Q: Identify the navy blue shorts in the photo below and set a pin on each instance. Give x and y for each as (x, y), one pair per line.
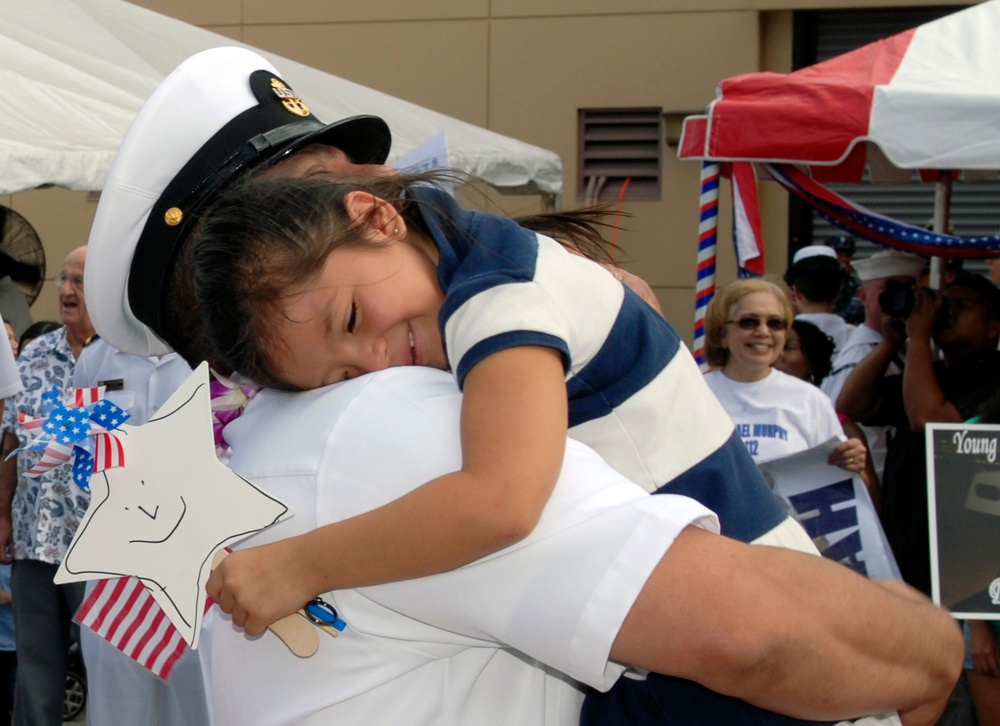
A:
(668, 701)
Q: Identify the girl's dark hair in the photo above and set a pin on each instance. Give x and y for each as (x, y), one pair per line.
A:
(817, 347)
(578, 229)
(264, 238)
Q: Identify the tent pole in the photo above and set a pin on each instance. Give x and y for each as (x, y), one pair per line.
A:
(708, 237)
(942, 207)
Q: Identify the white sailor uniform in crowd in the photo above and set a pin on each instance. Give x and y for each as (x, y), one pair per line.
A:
(834, 326)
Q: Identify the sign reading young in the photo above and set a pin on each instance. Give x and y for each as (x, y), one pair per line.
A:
(964, 505)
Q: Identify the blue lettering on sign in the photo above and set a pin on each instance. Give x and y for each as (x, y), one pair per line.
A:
(770, 431)
(831, 509)
(846, 552)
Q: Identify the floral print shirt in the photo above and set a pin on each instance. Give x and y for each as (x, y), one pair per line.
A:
(46, 510)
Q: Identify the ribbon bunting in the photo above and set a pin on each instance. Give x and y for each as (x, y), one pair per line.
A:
(83, 431)
(863, 222)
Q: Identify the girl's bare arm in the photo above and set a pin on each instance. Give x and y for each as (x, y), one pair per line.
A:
(514, 420)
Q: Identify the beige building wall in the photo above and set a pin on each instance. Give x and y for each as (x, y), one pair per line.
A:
(62, 219)
(522, 68)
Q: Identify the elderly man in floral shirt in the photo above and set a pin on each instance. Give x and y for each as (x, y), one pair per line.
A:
(39, 515)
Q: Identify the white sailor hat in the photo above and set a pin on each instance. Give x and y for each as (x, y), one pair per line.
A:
(220, 113)
(814, 251)
(889, 263)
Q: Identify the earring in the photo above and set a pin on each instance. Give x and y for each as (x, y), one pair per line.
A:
(395, 230)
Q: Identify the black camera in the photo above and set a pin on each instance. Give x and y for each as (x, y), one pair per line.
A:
(898, 297)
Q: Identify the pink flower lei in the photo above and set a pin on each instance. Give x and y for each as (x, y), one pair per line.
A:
(229, 398)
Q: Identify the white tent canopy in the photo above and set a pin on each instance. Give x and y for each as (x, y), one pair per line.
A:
(73, 74)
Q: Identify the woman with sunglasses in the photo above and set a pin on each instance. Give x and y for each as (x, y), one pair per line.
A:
(775, 414)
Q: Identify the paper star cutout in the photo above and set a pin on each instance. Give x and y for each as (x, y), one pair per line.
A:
(165, 513)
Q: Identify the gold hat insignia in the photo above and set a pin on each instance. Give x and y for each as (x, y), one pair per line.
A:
(173, 217)
(289, 100)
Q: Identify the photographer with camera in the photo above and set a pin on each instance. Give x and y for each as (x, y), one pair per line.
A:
(888, 272)
(963, 322)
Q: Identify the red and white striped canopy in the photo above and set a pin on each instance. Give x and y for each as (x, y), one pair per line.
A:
(928, 98)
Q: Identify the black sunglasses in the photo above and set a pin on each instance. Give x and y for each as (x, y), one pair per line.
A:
(752, 322)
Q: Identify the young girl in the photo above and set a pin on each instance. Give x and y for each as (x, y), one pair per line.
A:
(303, 283)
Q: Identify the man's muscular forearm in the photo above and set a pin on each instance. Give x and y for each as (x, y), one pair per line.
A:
(790, 632)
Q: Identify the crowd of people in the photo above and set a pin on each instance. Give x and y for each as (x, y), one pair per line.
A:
(919, 356)
(511, 491)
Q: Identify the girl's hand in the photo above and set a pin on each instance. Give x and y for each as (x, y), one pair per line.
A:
(261, 585)
(850, 455)
(983, 648)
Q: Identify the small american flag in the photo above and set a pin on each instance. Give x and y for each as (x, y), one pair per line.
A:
(123, 612)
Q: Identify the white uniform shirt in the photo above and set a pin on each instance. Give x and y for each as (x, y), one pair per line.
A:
(441, 649)
(831, 324)
(861, 342)
(778, 415)
(143, 384)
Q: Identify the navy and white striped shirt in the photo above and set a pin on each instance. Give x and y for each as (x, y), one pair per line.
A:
(635, 393)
